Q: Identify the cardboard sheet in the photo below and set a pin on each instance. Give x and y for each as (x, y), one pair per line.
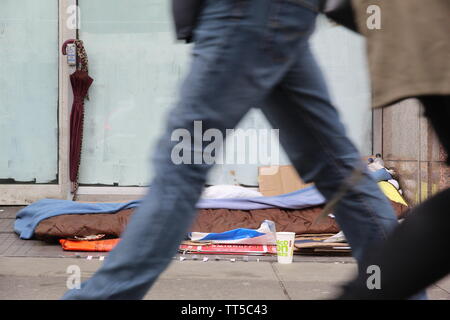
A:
(276, 180)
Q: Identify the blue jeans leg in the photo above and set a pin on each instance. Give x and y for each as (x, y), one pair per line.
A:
(315, 140)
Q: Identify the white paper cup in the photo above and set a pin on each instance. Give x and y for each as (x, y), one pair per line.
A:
(285, 247)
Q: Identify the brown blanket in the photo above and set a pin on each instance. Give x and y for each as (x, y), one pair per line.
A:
(208, 220)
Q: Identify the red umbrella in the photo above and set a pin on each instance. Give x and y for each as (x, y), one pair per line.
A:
(81, 81)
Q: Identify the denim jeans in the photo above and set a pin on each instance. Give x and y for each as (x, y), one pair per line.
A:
(246, 54)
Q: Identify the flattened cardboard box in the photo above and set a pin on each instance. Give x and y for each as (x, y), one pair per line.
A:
(276, 180)
(234, 249)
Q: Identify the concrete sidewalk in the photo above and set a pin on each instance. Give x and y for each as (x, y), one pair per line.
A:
(29, 278)
(32, 269)
(45, 278)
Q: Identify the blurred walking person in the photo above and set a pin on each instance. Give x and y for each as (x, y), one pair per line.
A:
(410, 57)
(247, 53)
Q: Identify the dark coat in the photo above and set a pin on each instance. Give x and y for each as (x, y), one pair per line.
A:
(185, 15)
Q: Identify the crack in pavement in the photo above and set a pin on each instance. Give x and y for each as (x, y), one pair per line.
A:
(280, 282)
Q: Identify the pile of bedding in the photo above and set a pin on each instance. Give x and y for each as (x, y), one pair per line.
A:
(51, 219)
(380, 172)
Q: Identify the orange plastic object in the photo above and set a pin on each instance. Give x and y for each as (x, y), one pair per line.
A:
(97, 245)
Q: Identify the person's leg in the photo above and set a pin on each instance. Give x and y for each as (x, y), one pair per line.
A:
(231, 72)
(415, 256)
(437, 110)
(316, 142)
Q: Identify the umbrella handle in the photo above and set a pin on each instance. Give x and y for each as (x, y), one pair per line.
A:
(64, 46)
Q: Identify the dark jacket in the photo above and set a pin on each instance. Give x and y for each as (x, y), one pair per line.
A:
(185, 15)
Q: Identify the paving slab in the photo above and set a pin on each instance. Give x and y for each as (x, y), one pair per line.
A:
(45, 278)
(437, 293)
(9, 212)
(444, 284)
(314, 281)
(214, 289)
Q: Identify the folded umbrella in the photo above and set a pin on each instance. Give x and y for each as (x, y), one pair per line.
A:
(81, 82)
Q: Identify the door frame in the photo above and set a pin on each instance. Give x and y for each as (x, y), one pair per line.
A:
(23, 194)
